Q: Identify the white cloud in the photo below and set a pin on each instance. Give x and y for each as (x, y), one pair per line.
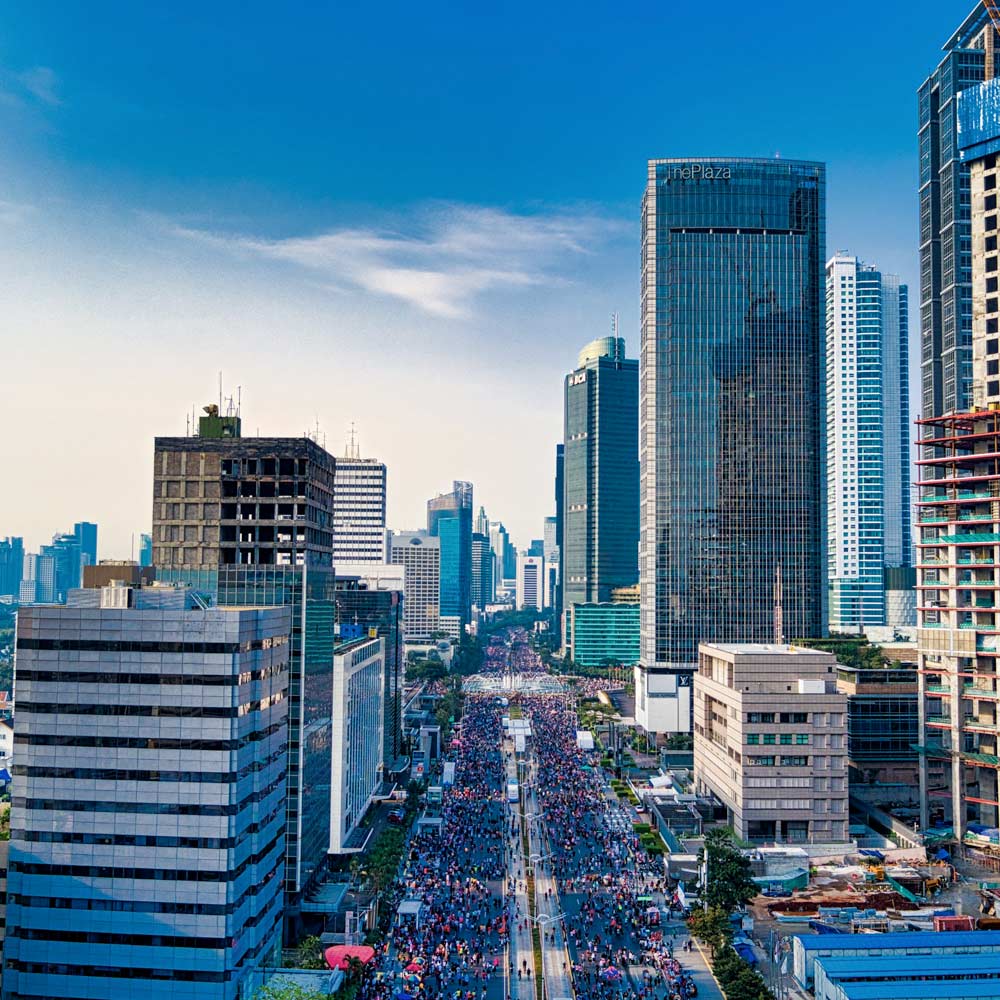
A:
(450, 255)
(42, 83)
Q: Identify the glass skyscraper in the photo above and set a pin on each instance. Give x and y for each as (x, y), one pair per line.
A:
(731, 415)
(945, 234)
(456, 549)
(600, 530)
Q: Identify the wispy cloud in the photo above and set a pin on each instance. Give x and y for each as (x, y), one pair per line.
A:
(443, 259)
(42, 83)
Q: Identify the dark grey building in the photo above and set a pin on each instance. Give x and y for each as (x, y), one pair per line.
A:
(482, 570)
(248, 521)
(731, 414)
(945, 227)
(371, 597)
(11, 566)
(600, 507)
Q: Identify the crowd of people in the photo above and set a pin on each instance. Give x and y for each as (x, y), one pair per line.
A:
(456, 946)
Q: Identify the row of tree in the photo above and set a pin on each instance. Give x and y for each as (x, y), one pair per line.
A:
(729, 886)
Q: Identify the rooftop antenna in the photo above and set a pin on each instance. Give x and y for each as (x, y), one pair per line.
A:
(220, 391)
(239, 399)
(352, 444)
(614, 324)
(779, 624)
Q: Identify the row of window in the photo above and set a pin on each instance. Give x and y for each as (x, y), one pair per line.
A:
(793, 761)
(782, 739)
(151, 711)
(150, 677)
(141, 743)
(156, 874)
(783, 717)
(128, 646)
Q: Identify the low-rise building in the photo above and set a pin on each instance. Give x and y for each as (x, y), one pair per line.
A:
(770, 741)
(598, 633)
(938, 965)
(882, 725)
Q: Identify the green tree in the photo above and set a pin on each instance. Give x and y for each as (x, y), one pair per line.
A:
(712, 927)
(308, 954)
(729, 880)
(739, 980)
(279, 990)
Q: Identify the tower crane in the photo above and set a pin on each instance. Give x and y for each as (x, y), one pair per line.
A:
(993, 9)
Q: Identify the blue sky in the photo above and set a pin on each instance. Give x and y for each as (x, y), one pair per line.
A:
(409, 216)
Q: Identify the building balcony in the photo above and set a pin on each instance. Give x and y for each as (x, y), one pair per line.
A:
(938, 689)
(937, 720)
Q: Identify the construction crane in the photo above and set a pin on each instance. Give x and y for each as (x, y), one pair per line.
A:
(993, 9)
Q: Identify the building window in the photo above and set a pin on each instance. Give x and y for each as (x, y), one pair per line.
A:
(769, 739)
(802, 739)
(753, 739)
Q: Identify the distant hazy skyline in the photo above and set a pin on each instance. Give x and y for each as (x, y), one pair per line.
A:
(404, 218)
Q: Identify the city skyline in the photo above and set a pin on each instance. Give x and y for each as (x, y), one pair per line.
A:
(146, 252)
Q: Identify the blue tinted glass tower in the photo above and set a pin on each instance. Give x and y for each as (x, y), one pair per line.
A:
(731, 414)
(456, 549)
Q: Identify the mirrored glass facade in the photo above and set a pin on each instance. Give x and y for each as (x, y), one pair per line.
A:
(731, 408)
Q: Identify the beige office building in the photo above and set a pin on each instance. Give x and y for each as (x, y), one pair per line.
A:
(770, 741)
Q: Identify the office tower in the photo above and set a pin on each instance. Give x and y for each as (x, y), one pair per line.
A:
(482, 570)
(600, 473)
(420, 556)
(67, 565)
(248, 521)
(530, 588)
(38, 581)
(959, 526)
(371, 597)
(731, 415)
(604, 633)
(11, 566)
(550, 550)
(560, 523)
(868, 442)
(145, 550)
(86, 537)
(482, 525)
(356, 775)
(147, 832)
(763, 710)
(449, 517)
(945, 265)
(359, 509)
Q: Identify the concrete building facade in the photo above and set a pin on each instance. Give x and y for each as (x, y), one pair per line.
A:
(420, 556)
(148, 824)
(359, 494)
(770, 741)
(868, 443)
(530, 581)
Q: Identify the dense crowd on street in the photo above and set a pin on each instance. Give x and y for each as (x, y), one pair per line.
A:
(457, 948)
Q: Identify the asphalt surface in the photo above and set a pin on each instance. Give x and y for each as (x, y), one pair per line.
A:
(562, 861)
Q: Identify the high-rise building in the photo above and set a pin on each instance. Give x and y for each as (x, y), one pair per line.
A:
(482, 570)
(449, 517)
(560, 527)
(11, 566)
(482, 525)
(359, 509)
(147, 833)
(604, 633)
(249, 522)
(530, 589)
(600, 546)
(67, 565)
(868, 441)
(958, 521)
(420, 556)
(86, 537)
(358, 679)
(550, 550)
(145, 550)
(731, 415)
(370, 597)
(945, 251)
